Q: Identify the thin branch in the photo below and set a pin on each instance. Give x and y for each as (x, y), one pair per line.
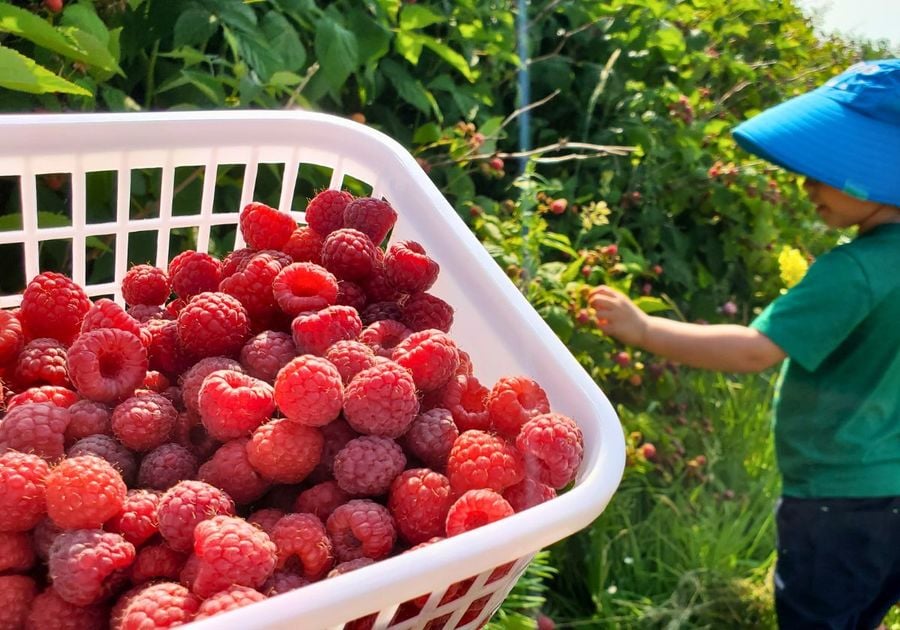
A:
(540, 16)
(597, 150)
(563, 40)
(306, 78)
(526, 108)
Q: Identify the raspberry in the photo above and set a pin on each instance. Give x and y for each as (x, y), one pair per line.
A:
(284, 451)
(367, 465)
(53, 306)
(84, 492)
(252, 286)
(408, 268)
(136, 520)
(304, 245)
(143, 313)
(165, 466)
(350, 565)
(157, 561)
(266, 353)
(88, 565)
(37, 428)
(192, 380)
(42, 362)
(377, 311)
(314, 332)
(105, 313)
(282, 582)
(513, 401)
(384, 335)
(145, 285)
(361, 528)
(431, 357)
(381, 400)
(349, 254)
(373, 217)
(419, 501)
(321, 499)
(430, 437)
(466, 398)
(231, 552)
(16, 595)
(144, 422)
(350, 358)
(264, 227)
(379, 289)
(337, 434)
(164, 351)
(308, 390)
(230, 469)
(162, 605)
(351, 294)
(49, 611)
(87, 417)
(158, 383)
(22, 502)
(303, 287)
(233, 404)
(192, 273)
(423, 310)
(325, 211)
(302, 537)
(474, 509)
(12, 337)
(236, 260)
(481, 460)
(44, 534)
(16, 552)
(528, 493)
(265, 519)
(107, 364)
(107, 448)
(213, 324)
(184, 505)
(553, 447)
(52, 394)
(231, 598)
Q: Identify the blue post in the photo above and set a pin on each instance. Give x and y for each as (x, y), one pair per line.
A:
(524, 83)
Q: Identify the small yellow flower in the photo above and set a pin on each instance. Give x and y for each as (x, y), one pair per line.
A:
(792, 265)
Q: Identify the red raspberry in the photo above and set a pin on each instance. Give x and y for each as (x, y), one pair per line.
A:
(384, 335)
(184, 505)
(315, 331)
(308, 390)
(192, 273)
(466, 398)
(528, 493)
(349, 254)
(164, 351)
(474, 509)
(513, 401)
(16, 552)
(157, 561)
(144, 312)
(361, 528)
(105, 313)
(165, 466)
(37, 428)
(423, 310)
(87, 565)
(351, 294)
(304, 245)
(252, 286)
(236, 260)
(381, 400)
(173, 307)
(12, 337)
(51, 394)
(49, 611)
(367, 465)
(481, 460)
(337, 434)
(303, 287)
(350, 358)
(321, 499)
(265, 519)
(233, 404)
(162, 605)
(231, 598)
(408, 268)
(192, 380)
(264, 227)
(145, 285)
(284, 451)
(266, 353)
(136, 520)
(107, 364)
(44, 534)
(373, 217)
(419, 501)
(302, 538)
(110, 449)
(553, 447)
(22, 502)
(87, 417)
(84, 492)
(231, 552)
(17, 592)
(282, 582)
(213, 324)
(430, 437)
(144, 422)
(379, 289)
(53, 306)
(431, 357)
(377, 311)
(325, 211)
(157, 382)
(350, 565)
(230, 469)
(42, 362)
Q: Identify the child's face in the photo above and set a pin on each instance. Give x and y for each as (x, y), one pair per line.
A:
(840, 210)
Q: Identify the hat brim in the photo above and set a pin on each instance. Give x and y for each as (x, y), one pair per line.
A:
(816, 136)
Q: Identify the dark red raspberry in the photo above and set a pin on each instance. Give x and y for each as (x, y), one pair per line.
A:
(304, 245)
(474, 509)
(110, 449)
(325, 211)
(465, 363)
(231, 598)
(87, 417)
(236, 260)
(264, 227)
(136, 520)
(184, 505)
(162, 605)
(481, 460)
(145, 285)
(213, 324)
(37, 428)
(105, 313)
(431, 357)
(408, 268)
(373, 217)
(367, 465)
(419, 501)
(144, 312)
(22, 502)
(88, 565)
(361, 528)
(350, 565)
(378, 288)
(233, 404)
(173, 307)
(321, 499)
(192, 273)
(315, 331)
(303, 287)
(337, 434)
(44, 534)
(466, 398)
(231, 552)
(53, 306)
(302, 537)
(12, 337)
(350, 358)
(265, 519)
(144, 422)
(351, 294)
(252, 286)
(384, 335)
(16, 552)
(107, 365)
(84, 492)
(230, 469)
(513, 401)
(381, 400)
(192, 380)
(378, 311)
(156, 382)
(553, 447)
(309, 390)
(165, 466)
(17, 592)
(157, 561)
(266, 353)
(284, 451)
(423, 310)
(51, 394)
(528, 493)
(164, 352)
(282, 582)
(49, 611)
(42, 362)
(431, 436)
(350, 255)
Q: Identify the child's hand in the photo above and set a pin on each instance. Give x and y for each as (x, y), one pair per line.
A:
(618, 316)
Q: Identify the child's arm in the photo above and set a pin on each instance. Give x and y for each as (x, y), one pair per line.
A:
(721, 347)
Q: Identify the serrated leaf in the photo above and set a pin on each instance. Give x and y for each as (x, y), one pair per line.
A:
(84, 18)
(670, 43)
(336, 51)
(409, 46)
(234, 13)
(373, 38)
(427, 133)
(651, 304)
(194, 26)
(457, 61)
(258, 54)
(283, 38)
(559, 321)
(94, 49)
(414, 16)
(409, 88)
(18, 72)
(283, 78)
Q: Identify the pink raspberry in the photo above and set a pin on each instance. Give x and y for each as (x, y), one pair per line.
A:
(88, 565)
(466, 399)
(513, 401)
(373, 217)
(53, 306)
(337, 434)
(252, 286)
(528, 493)
(381, 400)
(87, 417)
(84, 492)
(266, 353)
(233, 404)
(165, 466)
(184, 505)
(105, 313)
(284, 451)
(22, 502)
(481, 460)
(52, 394)
(12, 337)
(144, 422)
(192, 380)
(161, 605)
(321, 499)
(325, 211)
(229, 469)
(16, 552)
(308, 390)
(145, 285)
(351, 294)
(423, 310)
(553, 447)
(136, 520)
(17, 592)
(384, 335)
(231, 598)
(192, 273)
(315, 331)
(367, 465)
(42, 362)
(302, 538)
(264, 227)
(37, 428)
(107, 365)
(282, 582)
(408, 268)
(474, 509)
(349, 254)
(49, 611)
(361, 528)
(304, 245)
(157, 561)
(110, 449)
(303, 287)
(431, 357)
(213, 324)
(164, 351)
(231, 552)
(265, 519)
(431, 436)
(419, 501)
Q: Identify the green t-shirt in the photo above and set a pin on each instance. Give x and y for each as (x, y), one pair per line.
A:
(837, 404)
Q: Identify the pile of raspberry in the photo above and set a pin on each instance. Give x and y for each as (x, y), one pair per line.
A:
(248, 426)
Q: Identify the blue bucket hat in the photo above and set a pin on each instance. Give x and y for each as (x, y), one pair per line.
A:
(845, 133)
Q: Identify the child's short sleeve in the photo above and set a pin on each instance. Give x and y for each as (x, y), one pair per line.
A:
(815, 316)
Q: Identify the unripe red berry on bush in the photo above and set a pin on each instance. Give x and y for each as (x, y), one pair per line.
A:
(558, 206)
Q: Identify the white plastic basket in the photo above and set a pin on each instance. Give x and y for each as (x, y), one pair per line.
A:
(493, 322)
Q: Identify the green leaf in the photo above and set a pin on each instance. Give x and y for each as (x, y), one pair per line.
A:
(45, 220)
(374, 38)
(283, 78)
(283, 38)
(450, 56)
(413, 16)
(670, 43)
(651, 304)
(409, 45)
(559, 321)
(18, 72)
(95, 50)
(194, 26)
(337, 52)
(234, 13)
(258, 54)
(427, 133)
(408, 87)
(83, 17)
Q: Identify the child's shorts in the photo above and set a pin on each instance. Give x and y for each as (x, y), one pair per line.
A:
(838, 562)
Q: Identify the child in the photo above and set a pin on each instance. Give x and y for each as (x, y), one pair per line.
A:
(837, 406)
